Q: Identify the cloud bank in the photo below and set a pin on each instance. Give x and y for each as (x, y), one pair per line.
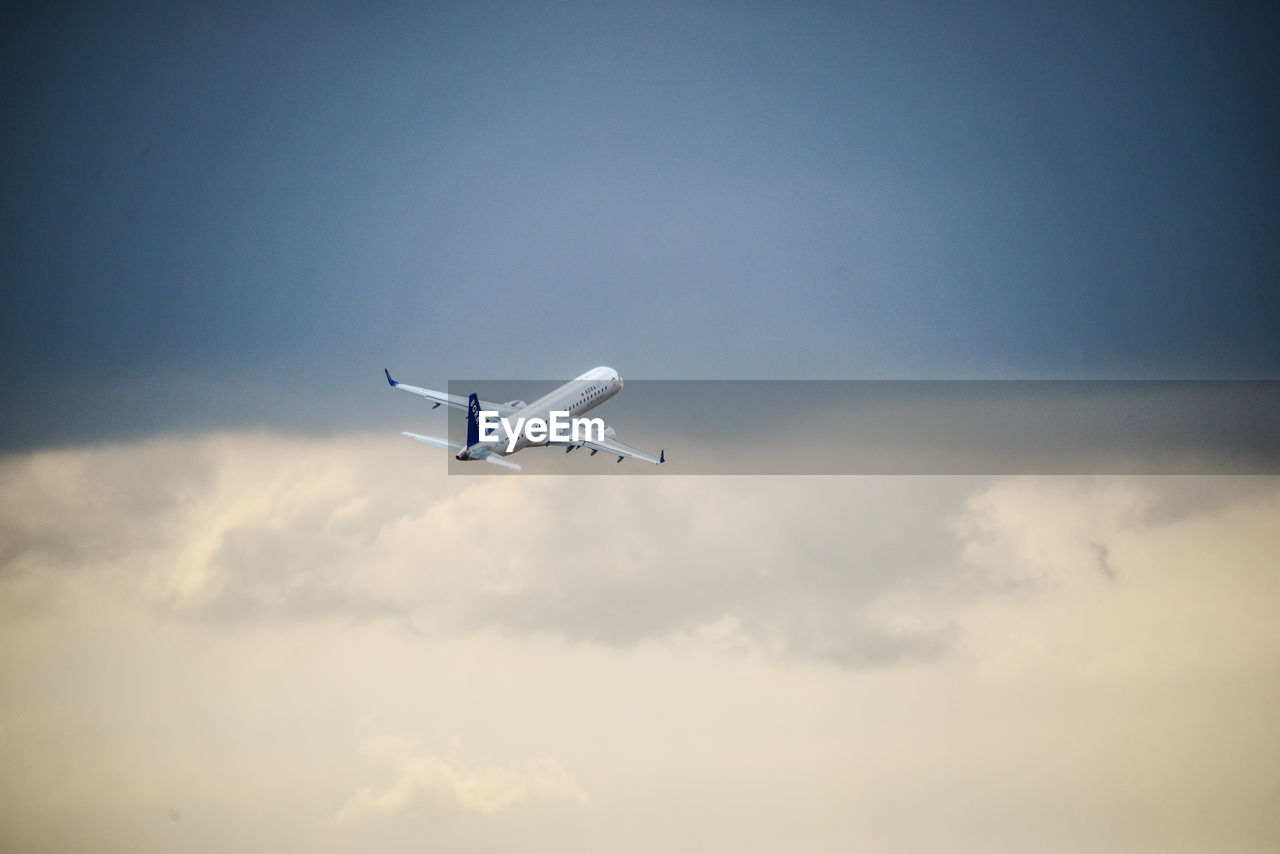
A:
(335, 634)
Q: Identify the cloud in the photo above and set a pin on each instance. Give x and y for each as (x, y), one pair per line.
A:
(425, 784)
(214, 625)
(1098, 580)
(243, 527)
(853, 571)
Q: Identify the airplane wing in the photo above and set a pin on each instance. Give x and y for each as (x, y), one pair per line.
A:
(496, 459)
(613, 446)
(454, 400)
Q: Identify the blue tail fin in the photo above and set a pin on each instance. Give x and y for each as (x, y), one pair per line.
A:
(473, 421)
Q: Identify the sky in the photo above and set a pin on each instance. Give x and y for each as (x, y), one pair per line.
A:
(239, 611)
(238, 213)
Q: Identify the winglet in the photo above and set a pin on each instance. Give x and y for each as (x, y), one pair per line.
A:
(662, 456)
(388, 373)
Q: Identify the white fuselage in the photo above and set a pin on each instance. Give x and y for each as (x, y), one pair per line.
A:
(576, 397)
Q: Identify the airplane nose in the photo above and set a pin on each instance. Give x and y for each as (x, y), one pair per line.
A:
(618, 380)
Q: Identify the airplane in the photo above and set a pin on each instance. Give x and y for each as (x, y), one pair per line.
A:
(575, 397)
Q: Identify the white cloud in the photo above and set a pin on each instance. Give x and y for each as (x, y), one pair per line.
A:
(243, 527)
(426, 784)
(1097, 581)
(213, 626)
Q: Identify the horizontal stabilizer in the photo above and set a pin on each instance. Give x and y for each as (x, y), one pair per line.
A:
(488, 457)
(499, 460)
(432, 440)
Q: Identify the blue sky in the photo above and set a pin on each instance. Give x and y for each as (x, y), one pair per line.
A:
(228, 215)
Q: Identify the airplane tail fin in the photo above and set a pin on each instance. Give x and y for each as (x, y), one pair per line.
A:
(473, 421)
